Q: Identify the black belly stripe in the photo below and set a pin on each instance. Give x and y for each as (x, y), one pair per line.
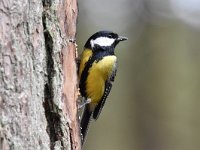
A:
(84, 75)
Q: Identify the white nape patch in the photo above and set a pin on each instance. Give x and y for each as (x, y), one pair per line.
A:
(102, 41)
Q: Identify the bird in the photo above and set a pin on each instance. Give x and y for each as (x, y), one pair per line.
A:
(96, 72)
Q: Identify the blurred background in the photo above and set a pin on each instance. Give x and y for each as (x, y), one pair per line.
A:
(155, 101)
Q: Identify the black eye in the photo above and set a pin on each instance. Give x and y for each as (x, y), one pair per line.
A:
(110, 36)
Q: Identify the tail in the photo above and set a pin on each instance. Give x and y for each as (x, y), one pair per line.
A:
(85, 120)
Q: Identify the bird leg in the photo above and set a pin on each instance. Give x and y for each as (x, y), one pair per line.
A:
(85, 102)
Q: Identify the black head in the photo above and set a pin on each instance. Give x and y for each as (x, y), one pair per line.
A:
(104, 39)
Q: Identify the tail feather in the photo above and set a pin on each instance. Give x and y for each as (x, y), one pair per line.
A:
(85, 121)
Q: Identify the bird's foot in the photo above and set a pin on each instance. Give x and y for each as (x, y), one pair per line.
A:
(81, 105)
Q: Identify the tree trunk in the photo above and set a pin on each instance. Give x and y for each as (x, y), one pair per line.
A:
(38, 75)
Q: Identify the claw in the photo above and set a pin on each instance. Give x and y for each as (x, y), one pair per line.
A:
(84, 103)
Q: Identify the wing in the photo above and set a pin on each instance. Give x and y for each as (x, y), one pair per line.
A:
(108, 86)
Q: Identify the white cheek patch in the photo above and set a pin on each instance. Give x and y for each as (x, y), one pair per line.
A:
(102, 41)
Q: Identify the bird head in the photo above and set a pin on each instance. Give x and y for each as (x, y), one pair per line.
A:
(104, 39)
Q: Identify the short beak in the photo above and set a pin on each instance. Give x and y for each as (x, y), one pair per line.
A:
(122, 38)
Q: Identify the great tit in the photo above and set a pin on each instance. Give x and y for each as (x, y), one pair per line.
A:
(97, 70)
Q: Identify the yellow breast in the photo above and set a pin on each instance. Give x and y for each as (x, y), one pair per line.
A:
(98, 74)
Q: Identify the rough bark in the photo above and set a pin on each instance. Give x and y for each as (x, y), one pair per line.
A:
(38, 75)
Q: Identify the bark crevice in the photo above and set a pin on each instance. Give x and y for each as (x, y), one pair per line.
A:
(51, 111)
